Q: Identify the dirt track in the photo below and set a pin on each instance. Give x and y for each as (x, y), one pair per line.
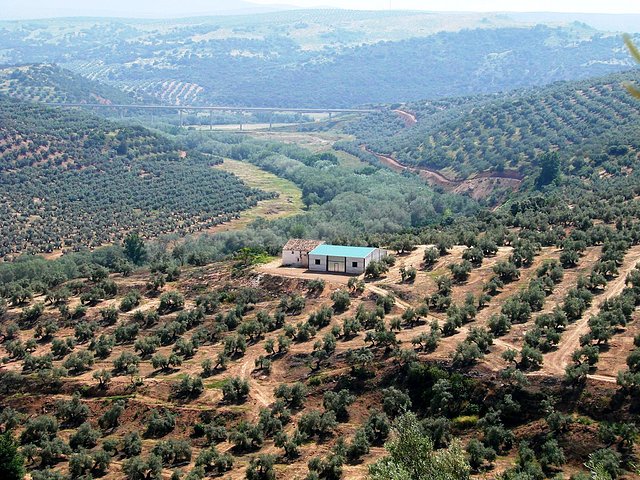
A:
(409, 118)
(556, 361)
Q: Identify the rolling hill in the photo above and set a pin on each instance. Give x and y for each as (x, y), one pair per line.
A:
(71, 180)
(466, 136)
(324, 58)
(45, 83)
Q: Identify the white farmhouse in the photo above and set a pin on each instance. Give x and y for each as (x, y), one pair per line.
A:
(296, 252)
(341, 259)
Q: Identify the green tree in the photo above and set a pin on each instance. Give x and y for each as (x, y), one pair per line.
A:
(11, 461)
(636, 55)
(134, 248)
(412, 456)
(549, 168)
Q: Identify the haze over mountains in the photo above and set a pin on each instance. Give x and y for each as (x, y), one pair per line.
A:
(138, 9)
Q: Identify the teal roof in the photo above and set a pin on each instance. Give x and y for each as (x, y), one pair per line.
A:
(341, 251)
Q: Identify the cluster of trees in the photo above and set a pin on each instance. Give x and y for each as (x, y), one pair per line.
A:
(476, 134)
(48, 83)
(87, 187)
(278, 70)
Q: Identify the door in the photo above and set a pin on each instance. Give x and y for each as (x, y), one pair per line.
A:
(336, 265)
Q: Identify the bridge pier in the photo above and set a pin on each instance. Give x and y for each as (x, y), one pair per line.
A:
(210, 120)
(181, 119)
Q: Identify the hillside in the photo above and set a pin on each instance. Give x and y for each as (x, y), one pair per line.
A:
(464, 137)
(504, 338)
(324, 58)
(229, 368)
(90, 181)
(52, 84)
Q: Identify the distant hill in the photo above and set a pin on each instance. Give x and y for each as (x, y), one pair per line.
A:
(602, 21)
(316, 58)
(51, 84)
(476, 134)
(71, 180)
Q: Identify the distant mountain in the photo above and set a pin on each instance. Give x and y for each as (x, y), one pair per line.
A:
(32, 9)
(601, 21)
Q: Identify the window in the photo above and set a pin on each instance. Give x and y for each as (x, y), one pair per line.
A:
(354, 264)
(317, 261)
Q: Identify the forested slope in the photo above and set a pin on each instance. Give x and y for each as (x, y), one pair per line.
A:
(470, 135)
(52, 84)
(70, 180)
(306, 62)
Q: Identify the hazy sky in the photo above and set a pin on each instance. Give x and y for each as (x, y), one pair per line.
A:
(582, 6)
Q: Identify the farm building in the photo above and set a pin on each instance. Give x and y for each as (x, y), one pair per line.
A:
(341, 259)
(296, 252)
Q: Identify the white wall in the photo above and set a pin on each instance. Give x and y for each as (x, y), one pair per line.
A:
(356, 270)
(317, 268)
(294, 258)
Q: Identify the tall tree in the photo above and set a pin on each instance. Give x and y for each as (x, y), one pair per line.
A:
(550, 168)
(135, 249)
(11, 461)
(412, 456)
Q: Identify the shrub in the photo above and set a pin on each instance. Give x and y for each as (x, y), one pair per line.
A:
(235, 390)
(376, 269)
(214, 462)
(159, 423)
(341, 300)
(316, 286)
(170, 302)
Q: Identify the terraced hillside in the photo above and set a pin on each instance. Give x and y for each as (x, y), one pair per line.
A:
(462, 137)
(178, 369)
(46, 83)
(70, 180)
(503, 338)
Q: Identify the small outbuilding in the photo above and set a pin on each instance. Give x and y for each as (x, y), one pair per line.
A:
(342, 259)
(296, 252)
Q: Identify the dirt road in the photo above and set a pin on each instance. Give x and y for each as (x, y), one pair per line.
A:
(409, 118)
(556, 362)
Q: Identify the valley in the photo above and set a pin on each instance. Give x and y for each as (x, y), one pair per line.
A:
(153, 328)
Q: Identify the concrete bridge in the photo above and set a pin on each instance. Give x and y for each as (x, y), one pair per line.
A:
(213, 108)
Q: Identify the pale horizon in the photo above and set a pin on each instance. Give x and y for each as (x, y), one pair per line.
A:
(525, 6)
(34, 9)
